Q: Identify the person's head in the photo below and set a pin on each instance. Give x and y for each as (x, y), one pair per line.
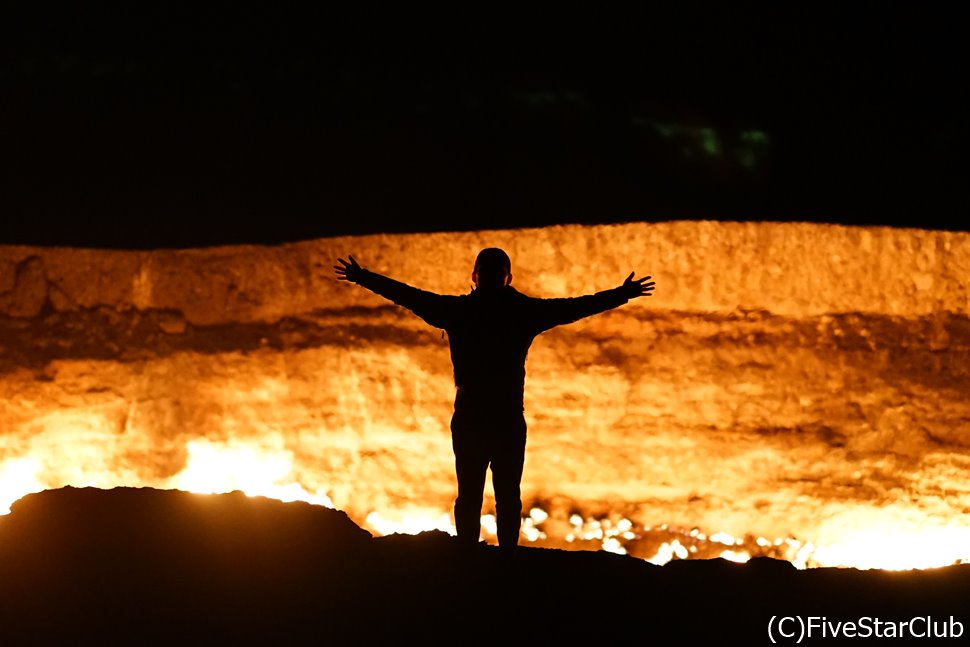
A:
(493, 269)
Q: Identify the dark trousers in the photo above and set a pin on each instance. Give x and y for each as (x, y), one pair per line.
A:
(482, 438)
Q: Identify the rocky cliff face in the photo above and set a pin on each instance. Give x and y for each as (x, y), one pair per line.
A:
(786, 380)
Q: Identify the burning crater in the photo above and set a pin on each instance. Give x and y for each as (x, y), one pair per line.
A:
(792, 390)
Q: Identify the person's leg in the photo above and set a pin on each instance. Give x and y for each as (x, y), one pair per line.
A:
(471, 464)
(508, 461)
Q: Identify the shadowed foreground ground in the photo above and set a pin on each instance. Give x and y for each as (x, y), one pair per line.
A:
(130, 566)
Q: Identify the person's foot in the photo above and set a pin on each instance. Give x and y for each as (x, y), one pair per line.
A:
(470, 550)
(465, 546)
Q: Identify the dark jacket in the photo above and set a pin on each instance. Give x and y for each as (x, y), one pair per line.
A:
(490, 331)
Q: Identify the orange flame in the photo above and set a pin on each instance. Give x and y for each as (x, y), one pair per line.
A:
(267, 470)
(816, 417)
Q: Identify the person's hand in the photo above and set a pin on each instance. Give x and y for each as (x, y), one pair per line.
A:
(348, 271)
(633, 288)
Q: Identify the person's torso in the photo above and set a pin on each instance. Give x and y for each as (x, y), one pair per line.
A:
(490, 336)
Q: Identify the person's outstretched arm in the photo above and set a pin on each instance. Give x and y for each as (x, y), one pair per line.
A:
(429, 306)
(555, 312)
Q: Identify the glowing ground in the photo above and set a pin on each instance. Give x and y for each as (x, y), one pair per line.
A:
(792, 390)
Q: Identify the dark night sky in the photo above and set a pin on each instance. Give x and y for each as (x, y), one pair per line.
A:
(158, 125)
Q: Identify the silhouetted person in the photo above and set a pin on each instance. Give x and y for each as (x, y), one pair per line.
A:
(490, 331)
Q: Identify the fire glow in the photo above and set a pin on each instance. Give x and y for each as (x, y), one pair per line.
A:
(218, 468)
(754, 410)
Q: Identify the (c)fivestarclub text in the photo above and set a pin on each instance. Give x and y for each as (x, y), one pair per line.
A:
(795, 629)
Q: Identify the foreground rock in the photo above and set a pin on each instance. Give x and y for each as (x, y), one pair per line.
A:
(136, 566)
